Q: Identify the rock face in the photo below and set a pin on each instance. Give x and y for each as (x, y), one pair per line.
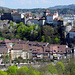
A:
(66, 29)
(5, 24)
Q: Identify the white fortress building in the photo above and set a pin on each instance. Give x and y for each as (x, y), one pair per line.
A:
(46, 19)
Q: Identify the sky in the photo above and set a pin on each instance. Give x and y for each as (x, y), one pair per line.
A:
(29, 4)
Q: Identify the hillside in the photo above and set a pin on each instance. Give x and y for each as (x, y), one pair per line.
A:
(72, 6)
(62, 9)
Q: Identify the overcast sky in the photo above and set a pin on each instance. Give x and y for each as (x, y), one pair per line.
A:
(29, 4)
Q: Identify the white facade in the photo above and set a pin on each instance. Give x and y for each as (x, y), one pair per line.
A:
(22, 15)
(71, 34)
(55, 15)
(16, 54)
(25, 55)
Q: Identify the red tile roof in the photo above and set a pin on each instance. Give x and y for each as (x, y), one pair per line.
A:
(7, 41)
(58, 19)
(47, 11)
(50, 15)
(9, 47)
(60, 49)
(21, 47)
(28, 15)
(36, 49)
(16, 13)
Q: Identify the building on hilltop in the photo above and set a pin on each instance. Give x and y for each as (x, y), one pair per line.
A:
(6, 16)
(46, 19)
(17, 17)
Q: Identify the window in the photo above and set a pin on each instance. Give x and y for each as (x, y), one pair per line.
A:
(58, 47)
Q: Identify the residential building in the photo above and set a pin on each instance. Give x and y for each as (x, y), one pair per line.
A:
(20, 50)
(37, 52)
(58, 51)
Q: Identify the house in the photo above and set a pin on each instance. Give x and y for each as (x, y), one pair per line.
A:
(7, 42)
(50, 17)
(20, 50)
(46, 53)
(72, 33)
(57, 22)
(37, 52)
(47, 18)
(27, 17)
(6, 16)
(17, 17)
(58, 51)
(46, 12)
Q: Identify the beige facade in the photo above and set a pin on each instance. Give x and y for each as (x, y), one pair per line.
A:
(20, 53)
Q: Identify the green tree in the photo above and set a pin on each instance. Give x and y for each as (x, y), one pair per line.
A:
(43, 39)
(70, 67)
(12, 70)
(60, 68)
(49, 40)
(3, 73)
(52, 69)
(22, 71)
(31, 71)
(57, 40)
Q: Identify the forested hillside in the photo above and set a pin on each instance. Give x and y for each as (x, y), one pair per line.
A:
(62, 9)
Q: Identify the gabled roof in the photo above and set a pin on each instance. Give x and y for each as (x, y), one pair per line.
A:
(21, 47)
(37, 43)
(16, 13)
(28, 15)
(36, 49)
(60, 49)
(7, 41)
(58, 19)
(50, 15)
(47, 11)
